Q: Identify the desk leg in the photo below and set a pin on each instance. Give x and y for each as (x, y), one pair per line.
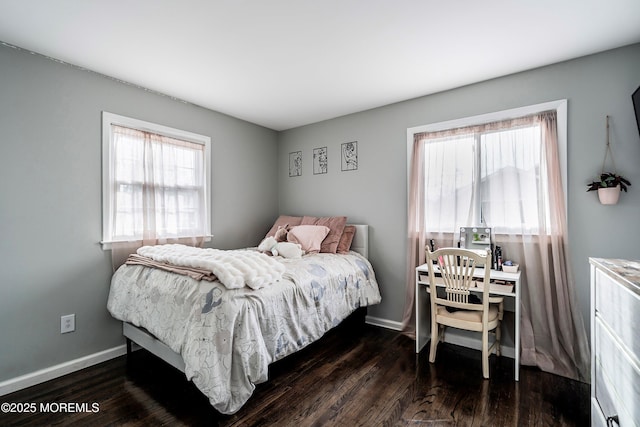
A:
(416, 300)
(418, 315)
(517, 328)
(422, 315)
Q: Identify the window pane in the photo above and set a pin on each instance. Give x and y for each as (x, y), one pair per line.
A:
(510, 180)
(158, 186)
(449, 165)
(509, 189)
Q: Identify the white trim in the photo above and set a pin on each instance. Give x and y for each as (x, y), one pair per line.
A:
(490, 117)
(110, 118)
(561, 109)
(56, 371)
(108, 245)
(43, 375)
(384, 323)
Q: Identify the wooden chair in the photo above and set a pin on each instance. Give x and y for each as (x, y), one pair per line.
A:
(456, 268)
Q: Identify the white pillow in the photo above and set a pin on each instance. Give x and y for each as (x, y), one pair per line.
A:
(310, 237)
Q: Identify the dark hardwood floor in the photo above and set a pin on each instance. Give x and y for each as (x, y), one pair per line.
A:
(356, 375)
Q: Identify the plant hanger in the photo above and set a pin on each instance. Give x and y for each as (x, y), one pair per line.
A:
(608, 180)
(608, 152)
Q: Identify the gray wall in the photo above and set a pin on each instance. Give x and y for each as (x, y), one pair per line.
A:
(376, 193)
(50, 201)
(50, 184)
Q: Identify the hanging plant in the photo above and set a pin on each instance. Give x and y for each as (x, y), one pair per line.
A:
(610, 184)
(609, 180)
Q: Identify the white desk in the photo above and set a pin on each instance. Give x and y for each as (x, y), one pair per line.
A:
(423, 319)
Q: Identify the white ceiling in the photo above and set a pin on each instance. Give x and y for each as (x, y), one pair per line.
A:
(287, 63)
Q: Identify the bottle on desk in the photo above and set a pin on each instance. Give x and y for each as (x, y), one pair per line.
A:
(498, 258)
(432, 244)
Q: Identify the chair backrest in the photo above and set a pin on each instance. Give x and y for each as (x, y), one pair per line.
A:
(456, 268)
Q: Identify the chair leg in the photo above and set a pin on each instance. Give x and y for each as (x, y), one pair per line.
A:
(485, 353)
(499, 327)
(435, 336)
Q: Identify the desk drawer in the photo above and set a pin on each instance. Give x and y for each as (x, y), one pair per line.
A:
(619, 308)
(617, 379)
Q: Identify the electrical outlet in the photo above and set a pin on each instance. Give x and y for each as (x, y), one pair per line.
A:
(67, 323)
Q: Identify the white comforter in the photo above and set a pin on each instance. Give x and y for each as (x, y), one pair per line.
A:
(228, 337)
(234, 269)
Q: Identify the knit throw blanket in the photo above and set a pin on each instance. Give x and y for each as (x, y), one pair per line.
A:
(234, 268)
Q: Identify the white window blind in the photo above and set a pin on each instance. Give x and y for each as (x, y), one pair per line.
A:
(155, 182)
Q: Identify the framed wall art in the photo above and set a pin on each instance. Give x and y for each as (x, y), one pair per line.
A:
(349, 154)
(320, 160)
(295, 163)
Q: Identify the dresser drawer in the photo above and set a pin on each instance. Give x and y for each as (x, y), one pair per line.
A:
(617, 378)
(619, 308)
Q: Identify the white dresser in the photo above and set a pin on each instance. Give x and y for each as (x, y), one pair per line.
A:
(615, 342)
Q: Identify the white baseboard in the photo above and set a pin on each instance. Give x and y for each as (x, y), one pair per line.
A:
(384, 323)
(43, 375)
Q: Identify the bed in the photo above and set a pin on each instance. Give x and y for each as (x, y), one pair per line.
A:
(224, 339)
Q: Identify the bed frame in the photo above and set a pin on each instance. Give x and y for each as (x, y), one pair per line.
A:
(144, 339)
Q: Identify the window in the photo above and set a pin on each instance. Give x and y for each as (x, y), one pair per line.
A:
(488, 170)
(508, 168)
(155, 181)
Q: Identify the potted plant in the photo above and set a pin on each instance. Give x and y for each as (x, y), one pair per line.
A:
(609, 186)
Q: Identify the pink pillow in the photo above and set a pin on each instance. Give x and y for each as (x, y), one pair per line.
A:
(283, 221)
(346, 239)
(336, 227)
(310, 237)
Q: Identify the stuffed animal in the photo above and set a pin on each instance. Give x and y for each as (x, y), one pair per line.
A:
(281, 234)
(267, 244)
(283, 249)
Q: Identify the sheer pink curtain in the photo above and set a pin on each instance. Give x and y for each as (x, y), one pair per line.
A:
(552, 328)
(532, 233)
(450, 166)
(416, 235)
(157, 185)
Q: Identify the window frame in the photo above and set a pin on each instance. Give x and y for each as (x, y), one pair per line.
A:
(560, 106)
(109, 119)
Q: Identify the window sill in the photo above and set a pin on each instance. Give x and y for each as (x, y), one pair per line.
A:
(107, 245)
